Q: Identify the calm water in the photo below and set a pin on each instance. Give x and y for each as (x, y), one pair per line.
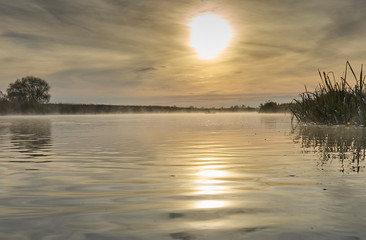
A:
(180, 176)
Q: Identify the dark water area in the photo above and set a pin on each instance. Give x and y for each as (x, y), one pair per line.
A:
(180, 176)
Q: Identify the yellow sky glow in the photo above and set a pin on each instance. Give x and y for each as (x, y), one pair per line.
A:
(210, 35)
(183, 53)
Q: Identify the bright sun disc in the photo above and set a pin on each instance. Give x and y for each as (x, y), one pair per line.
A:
(210, 35)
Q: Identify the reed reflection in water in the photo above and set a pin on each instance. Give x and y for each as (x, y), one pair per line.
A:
(171, 176)
(344, 145)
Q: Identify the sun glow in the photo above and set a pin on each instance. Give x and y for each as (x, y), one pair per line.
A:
(210, 35)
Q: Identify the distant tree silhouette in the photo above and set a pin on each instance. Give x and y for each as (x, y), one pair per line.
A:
(272, 107)
(3, 97)
(29, 89)
(269, 106)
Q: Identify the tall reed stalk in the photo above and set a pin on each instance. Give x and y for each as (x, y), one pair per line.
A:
(333, 102)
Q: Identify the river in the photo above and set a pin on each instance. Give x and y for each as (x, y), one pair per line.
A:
(180, 176)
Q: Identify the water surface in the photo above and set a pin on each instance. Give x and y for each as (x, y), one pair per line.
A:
(180, 176)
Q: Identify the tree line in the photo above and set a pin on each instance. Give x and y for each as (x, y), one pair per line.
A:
(30, 95)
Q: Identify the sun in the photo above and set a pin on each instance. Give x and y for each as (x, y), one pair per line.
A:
(210, 35)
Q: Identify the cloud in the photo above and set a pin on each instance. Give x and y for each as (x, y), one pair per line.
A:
(146, 69)
(115, 49)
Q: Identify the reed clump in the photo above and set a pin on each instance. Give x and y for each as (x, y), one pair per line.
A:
(334, 102)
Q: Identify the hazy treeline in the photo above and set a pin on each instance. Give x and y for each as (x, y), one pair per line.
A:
(7, 107)
(30, 95)
(273, 107)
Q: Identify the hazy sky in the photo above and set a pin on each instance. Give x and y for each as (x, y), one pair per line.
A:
(137, 51)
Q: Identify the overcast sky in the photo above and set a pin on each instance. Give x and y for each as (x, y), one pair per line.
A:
(137, 51)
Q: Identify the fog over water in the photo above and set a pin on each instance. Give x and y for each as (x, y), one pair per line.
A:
(180, 176)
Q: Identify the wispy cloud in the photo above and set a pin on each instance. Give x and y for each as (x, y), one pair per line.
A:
(114, 50)
(146, 69)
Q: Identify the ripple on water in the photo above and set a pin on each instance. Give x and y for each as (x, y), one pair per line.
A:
(179, 176)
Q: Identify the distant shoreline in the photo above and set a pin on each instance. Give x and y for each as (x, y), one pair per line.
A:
(33, 108)
(62, 108)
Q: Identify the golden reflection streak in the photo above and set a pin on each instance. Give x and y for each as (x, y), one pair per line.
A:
(212, 173)
(211, 189)
(211, 166)
(210, 204)
(209, 184)
(209, 181)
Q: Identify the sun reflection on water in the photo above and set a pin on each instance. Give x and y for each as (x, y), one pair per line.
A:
(211, 189)
(209, 181)
(210, 204)
(210, 184)
(212, 173)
